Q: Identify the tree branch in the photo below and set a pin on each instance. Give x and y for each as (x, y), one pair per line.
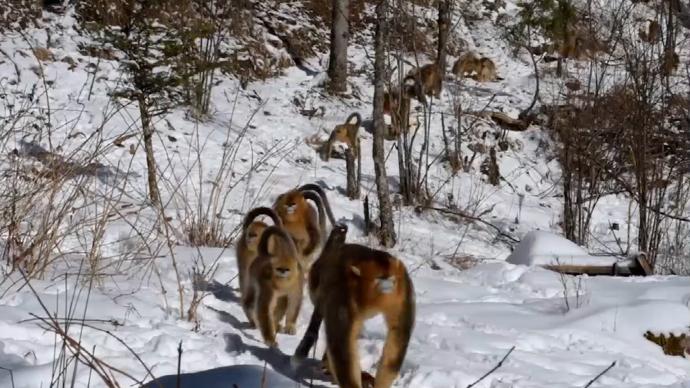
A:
(600, 374)
(472, 218)
(500, 363)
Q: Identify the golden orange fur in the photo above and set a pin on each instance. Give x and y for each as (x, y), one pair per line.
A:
(306, 227)
(397, 106)
(275, 286)
(345, 133)
(651, 33)
(428, 81)
(669, 62)
(247, 245)
(349, 284)
(471, 65)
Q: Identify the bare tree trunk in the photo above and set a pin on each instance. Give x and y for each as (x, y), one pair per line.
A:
(682, 11)
(444, 7)
(359, 167)
(352, 176)
(337, 66)
(405, 165)
(387, 232)
(154, 194)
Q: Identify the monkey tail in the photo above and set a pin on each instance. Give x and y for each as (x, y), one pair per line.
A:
(281, 234)
(309, 339)
(335, 241)
(324, 199)
(259, 211)
(314, 196)
(356, 116)
(336, 238)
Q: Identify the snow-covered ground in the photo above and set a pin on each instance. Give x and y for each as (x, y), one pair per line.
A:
(467, 320)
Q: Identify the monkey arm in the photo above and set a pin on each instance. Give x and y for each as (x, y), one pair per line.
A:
(264, 317)
(279, 310)
(248, 305)
(242, 267)
(294, 302)
(342, 330)
(400, 327)
(328, 147)
(391, 358)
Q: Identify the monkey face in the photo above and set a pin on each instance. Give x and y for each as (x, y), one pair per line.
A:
(284, 268)
(290, 203)
(282, 272)
(290, 208)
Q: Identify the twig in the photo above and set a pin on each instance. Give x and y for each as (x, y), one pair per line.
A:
(473, 218)
(111, 321)
(600, 374)
(11, 375)
(16, 68)
(263, 376)
(93, 78)
(500, 363)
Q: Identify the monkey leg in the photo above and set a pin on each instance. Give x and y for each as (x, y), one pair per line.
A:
(279, 311)
(242, 278)
(328, 148)
(352, 141)
(400, 324)
(294, 303)
(391, 359)
(367, 378)
(264, 316)
(342, 330)
(248, 305)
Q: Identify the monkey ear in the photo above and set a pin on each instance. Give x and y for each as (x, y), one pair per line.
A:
(356, 270)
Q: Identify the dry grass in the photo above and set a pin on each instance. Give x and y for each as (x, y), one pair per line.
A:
(203, 233)
(463, 261)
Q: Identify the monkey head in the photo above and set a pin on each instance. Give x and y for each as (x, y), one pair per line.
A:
(284, 269)
(291, 205)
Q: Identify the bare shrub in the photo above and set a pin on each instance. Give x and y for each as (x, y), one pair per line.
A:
(575, 291)
(201, 193)
(671, 344)
(19, 14)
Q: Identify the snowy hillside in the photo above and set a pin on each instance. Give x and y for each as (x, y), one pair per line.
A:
(114, 284)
